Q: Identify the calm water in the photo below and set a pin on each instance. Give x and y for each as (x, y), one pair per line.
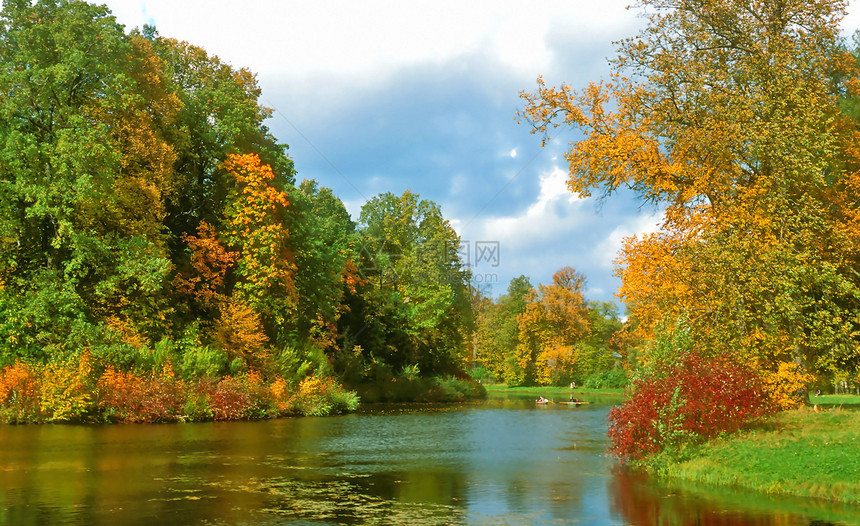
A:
(496, 462)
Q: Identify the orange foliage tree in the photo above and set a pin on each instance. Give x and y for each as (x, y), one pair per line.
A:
(728, 115)
(256, 227)
(209, 261)
(19, 393)
(555, 321)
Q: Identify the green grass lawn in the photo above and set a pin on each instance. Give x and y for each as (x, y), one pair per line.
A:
(802, 452)
(558, 394)
(843, 399)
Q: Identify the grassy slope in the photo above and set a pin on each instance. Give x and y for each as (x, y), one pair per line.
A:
(801, 453)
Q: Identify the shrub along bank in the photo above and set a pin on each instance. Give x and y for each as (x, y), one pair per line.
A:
(84, 391)
(681, 403)
(87, 390)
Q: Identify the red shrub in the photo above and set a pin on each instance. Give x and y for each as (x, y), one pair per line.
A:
(130, 398)
(692, 400)
(228, 398)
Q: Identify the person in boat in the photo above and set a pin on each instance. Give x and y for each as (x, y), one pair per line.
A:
(542, 400)
(574, 400)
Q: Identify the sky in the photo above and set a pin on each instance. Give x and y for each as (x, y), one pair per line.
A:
(388, 96)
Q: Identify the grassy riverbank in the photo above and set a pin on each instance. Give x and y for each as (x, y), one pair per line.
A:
(560, 394)
(835, 399)
(802, 453)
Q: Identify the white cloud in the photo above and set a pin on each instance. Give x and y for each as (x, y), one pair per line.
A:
(549, 217)
(606, 252)
(370, 38)
(353, 207)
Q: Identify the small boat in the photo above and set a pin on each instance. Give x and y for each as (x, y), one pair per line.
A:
(579, 402)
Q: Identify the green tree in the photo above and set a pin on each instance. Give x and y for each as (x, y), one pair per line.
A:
(415, 307)
(325, 242)
(597, 351)
(498, 332)
(84, 173)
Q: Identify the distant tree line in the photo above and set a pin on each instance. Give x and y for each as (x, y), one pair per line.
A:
(550, 335)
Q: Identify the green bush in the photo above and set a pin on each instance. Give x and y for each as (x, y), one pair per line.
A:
(614, 379)
(145, 360)
(452, 389)
(196, 407)
(322, 396)
(483, 375)
(297, 362)
(343, 401)
(203, 362)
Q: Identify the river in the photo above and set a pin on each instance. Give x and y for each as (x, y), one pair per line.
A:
(501, 461)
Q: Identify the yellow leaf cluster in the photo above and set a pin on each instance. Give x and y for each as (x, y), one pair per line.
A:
(66, 389)
(239, 332)
(787, 385)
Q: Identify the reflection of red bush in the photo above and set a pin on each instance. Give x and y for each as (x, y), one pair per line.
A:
(644, 502)
(690, 400)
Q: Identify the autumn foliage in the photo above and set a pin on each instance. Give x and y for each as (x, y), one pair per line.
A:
(256, 226)
(83, 391)
(739, 121)
(685, 402)
(20, 392)
(158, 259)
(209, 263)
(554, 322)
(127, 397)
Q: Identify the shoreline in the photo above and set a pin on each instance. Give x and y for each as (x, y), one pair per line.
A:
(799, 453)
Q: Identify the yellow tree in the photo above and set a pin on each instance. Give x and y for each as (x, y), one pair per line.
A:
(256, 228)
(727, 113)
(555, 320)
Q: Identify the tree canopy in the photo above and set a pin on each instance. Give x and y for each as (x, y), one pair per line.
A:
(150, 223)
(731, 116)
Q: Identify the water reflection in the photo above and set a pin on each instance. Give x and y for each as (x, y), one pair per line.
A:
(641, 501)
(499, 462)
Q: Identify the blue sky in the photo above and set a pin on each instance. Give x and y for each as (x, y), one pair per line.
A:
(388, 96)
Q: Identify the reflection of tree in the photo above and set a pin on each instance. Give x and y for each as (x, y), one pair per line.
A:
(641, 501)
(551, 492)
